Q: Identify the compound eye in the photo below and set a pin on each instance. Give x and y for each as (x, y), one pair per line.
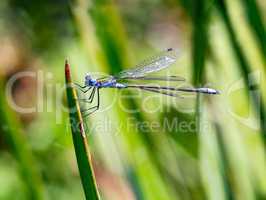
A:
(88, 77)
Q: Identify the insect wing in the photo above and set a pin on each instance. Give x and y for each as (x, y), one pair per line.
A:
(155, 78)
(154, 64)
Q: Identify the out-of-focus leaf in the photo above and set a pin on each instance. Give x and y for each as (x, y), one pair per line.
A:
(173, 121)
(225, 166)
(200, 42)
(12, 131)
(45, 23)
(243, 65)
(254, 17)
(110, 33)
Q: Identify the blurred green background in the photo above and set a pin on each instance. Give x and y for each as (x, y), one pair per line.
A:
(221, 155)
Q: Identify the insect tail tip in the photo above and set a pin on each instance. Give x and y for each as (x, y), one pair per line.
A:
(213, 91)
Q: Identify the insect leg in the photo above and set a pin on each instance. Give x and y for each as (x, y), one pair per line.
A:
(98, 98)
(91, 97)
(94, 107)
(83, 88)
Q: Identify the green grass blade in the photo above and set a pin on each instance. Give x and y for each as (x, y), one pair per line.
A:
(12, 132)
(224, 163)
(80, 141)
(256, 23)
(200, 43)
(243, 65)
(113, 41)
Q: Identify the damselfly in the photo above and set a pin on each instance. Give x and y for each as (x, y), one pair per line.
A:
(140, 72)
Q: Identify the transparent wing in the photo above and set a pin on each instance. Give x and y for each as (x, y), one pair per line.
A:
(155, 78)
(155, 63)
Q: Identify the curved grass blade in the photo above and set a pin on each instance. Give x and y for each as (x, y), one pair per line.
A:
(113, 40)
(255, 20)
(244, 67)
(80, 141)
(200, 40)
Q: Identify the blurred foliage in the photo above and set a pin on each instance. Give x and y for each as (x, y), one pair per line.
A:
(215, 151)
(12, 132)
(47, 23)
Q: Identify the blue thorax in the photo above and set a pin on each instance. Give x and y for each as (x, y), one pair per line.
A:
(90, 82)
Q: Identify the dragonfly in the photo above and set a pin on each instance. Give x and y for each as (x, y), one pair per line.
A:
(140, 72)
